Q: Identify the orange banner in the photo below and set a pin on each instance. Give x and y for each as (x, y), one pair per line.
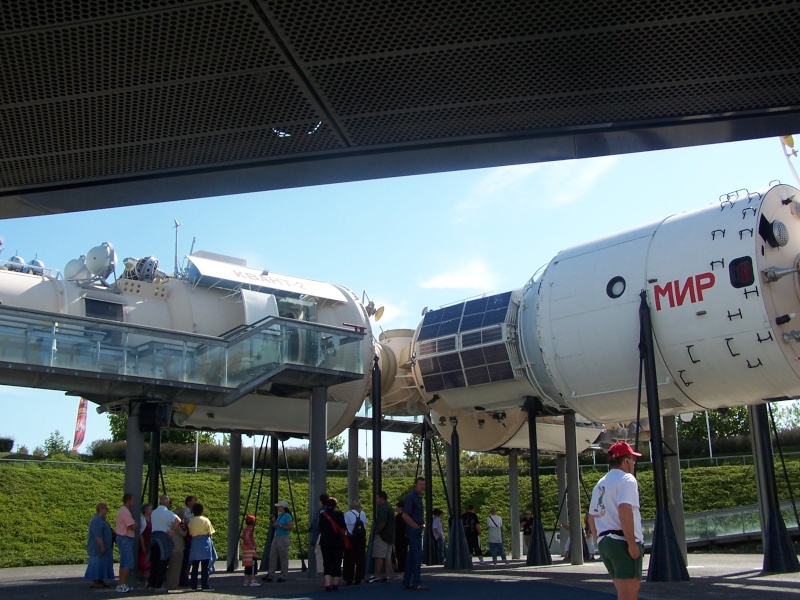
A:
(80, 424)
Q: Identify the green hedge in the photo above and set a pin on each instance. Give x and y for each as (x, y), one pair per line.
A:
(48, 507)
(182, 455)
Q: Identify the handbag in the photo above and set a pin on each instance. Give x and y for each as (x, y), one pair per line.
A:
(340, 531)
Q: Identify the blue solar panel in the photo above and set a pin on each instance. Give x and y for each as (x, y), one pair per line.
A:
(493, 317)
(446, 344)
(472, 322)
(449, 362)
(484, 312)
(433, 383)
(432, 316)
(501, 372)
(473, 358)
(477, 306)
(454, 380)
(477, 375)
(448, 327)
(452, 312)
(498, 301)
(428, 332)
(480, 322)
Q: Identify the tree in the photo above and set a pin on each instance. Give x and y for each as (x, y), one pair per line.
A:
(335, 445)
(55, 444)
(786, 415)
(726, 422)
(412, 449)
(118, 424)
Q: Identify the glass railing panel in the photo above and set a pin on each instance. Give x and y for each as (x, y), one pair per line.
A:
(48, 340)
(286, 342)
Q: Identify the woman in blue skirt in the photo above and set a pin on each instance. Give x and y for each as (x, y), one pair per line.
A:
(100, 549)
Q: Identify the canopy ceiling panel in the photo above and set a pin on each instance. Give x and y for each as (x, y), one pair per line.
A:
(118, 102)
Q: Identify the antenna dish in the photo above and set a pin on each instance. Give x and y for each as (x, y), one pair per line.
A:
(37, 266)
(101, 261)
(379, 313)
(76, 270)
(17, 263)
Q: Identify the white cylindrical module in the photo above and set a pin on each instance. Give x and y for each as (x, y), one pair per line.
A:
(218, 297)
(399, 393)
(723, 289)
(724, 332)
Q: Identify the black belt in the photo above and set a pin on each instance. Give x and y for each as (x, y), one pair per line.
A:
(618, 532)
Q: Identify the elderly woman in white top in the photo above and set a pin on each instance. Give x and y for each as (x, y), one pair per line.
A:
(494, 524)
(356, 556)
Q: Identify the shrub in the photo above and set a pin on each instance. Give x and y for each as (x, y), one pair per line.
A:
(56, 444)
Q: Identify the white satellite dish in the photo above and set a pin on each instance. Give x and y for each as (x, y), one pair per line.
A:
(76, 270)
(101, 261)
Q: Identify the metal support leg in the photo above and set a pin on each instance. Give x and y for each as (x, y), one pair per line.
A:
(317, 455)
(377, 409)
(352, 463)
(561, 484)
(457, 556)
(155, 467)
(573, 491)
(234, 500)
(666, 560)
(779, 553)
(134, 465)
(538, 553)
(274, 474)
(673, 461)
(429, 547)
(513, 494)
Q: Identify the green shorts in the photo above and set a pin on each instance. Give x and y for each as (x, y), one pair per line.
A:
(619, 563)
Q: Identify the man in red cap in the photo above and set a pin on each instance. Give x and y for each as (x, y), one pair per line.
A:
(616, 523)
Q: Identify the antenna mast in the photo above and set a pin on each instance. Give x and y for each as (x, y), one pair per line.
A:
(176, 273)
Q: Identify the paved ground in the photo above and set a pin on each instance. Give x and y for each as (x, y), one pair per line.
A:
(724, 576)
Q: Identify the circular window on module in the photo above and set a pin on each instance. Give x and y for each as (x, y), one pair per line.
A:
(615, 287)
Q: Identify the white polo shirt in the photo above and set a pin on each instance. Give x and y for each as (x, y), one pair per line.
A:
(163, 519)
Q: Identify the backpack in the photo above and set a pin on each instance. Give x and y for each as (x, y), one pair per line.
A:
(469, 520)
(359, 531)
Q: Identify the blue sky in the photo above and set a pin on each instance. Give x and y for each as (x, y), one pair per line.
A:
(409, 242)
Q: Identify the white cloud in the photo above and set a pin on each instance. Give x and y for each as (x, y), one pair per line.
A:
(540, 185)
(572, 180)
(474, 275)
(395, 316)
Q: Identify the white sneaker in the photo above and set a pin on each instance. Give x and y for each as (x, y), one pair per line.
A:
(122, 589)
(255, 584)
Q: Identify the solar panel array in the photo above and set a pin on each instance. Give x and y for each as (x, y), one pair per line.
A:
(465, 344)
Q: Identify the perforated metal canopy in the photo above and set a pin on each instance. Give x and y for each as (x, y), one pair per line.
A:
(116, 102)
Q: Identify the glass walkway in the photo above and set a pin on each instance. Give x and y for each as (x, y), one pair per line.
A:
(104, 360)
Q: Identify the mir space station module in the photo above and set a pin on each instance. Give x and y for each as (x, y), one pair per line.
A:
(722, 284)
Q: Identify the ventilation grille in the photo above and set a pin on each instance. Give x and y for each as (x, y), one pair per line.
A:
(104, 89)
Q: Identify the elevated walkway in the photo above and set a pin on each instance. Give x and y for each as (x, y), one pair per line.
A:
(105, 360)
